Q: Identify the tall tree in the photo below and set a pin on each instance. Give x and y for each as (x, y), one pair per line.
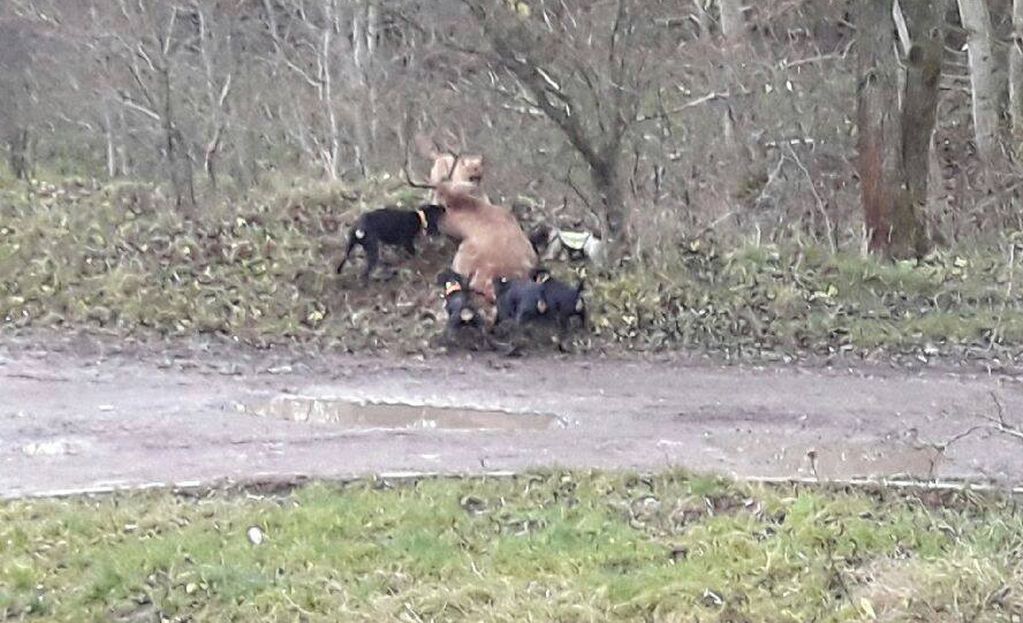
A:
(147, 41)
(16, 94)
(983, 81)
(733, 25)
(1016, 70)
(894, 143)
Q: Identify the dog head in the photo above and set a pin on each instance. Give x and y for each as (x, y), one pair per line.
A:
(540, 237)
(430, 215)
(448, 278)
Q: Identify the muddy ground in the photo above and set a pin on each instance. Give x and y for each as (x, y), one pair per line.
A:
(95, 413)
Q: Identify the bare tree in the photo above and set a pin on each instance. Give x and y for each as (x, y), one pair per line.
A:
(984, 84)
(733, 25)
(147, 39)
(16, 95)
(362, 79)
(894, 144)
(1016, 69)
(586, 79)
(213, 46)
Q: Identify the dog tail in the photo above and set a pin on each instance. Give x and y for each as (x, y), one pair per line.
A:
(426, 146)
(354, 236)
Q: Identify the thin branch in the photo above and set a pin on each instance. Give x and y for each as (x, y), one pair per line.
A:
(133, 105)
(1000, 423)
(703, 99)
(817, 197)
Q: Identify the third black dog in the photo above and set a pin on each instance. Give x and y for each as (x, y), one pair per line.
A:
(390, 226)
(563, 301)
(462, 314)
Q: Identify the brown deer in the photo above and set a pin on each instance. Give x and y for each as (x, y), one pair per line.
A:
(491, 242)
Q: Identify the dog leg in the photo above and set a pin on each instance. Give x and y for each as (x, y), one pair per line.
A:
(352, 242)
(372, 257)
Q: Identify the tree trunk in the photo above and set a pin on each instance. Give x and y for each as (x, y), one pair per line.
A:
(178, 163)
(331, 154)
(892, 160)
(607, 182)
(984, 86)
(20, 153)
(359, 83)
(108, 134)
(919, 108)
(733, 25)
(1016, 70)
(372, 32)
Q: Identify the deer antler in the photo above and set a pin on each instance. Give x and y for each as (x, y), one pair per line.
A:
(408, 176)
(454, 163)
(408, 179)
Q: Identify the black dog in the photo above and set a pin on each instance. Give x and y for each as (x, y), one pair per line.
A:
(520, 300)
(390, 226)
(563, 301)
(462, 314)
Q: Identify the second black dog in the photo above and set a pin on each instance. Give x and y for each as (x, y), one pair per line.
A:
(390, 226)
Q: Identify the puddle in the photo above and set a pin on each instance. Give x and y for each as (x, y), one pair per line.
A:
(370, 416)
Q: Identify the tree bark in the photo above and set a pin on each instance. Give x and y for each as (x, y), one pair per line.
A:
(733, 25)
(177, 159)
(984, 85)
(19, 157)
(359, 81)
(1016, 70)
(332, 153)
(919, 109)
(108, 134)
(893, 144)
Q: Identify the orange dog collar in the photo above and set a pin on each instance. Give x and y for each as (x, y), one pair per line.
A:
(451, 287)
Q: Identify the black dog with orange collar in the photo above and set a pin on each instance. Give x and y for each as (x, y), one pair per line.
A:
(462, 314)
(393, 227)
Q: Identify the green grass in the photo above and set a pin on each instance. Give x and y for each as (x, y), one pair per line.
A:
(797, 300)
(120, 259)
(542, 547)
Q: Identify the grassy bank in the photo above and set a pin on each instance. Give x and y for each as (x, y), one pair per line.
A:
(118, 259)
(554, 546)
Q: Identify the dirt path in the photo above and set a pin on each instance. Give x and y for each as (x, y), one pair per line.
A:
(82, 413)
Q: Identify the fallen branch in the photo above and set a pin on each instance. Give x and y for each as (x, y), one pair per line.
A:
(999, 423)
